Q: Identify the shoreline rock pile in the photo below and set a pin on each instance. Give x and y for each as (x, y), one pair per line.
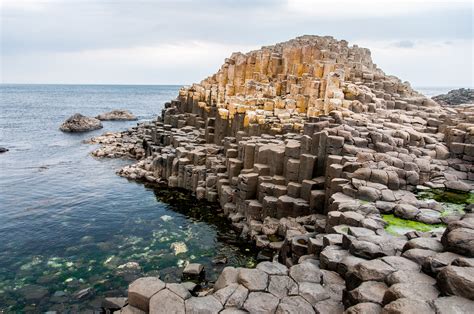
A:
(117, 115)
(456, 97)
(307, 146)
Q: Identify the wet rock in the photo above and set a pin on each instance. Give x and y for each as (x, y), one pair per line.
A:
(33, 292)
(457, 280)
(294, 304)
(117, 115)
(3, 150)
(80, 123)
(114, 303)
(364, 308)
(253, 279)
(166, 301)
(193, 270)
(141, 290)
(84, 293)
(261, 302)
(129, 309)
(203, 305)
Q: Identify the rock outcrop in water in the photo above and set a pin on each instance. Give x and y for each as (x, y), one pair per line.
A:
(456, 97)
(80, 123)
(120, 115)
(309, 147)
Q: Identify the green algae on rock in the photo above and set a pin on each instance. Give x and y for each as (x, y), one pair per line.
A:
(399, 226)
(451, 202)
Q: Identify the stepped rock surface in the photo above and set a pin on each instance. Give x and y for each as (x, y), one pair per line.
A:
(307, 146)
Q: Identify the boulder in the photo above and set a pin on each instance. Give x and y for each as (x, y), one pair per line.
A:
(228, 276)
(253, 279)
(294, 304)
(281, 286)
(454, 280)
(118, 114)
(415, 291)
(261, 302)
(306, 272)
(368, 291)
(80, 123)
(453, 305)
(364, 308)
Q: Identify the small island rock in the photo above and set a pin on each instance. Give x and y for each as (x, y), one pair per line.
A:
(80, 123)
(117, 115)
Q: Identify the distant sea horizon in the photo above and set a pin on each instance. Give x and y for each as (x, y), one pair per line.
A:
(428, 91)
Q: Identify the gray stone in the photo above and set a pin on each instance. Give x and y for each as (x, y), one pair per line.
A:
(364, 308)
(459, 240)
(238, 298)
(408, 306)
(203, 305)
(282, 286)
(294, 304)
(179, 290)
(409, 276)
(457, 280)
(416, 291)
(117, 114)
(228, 276)
(114, 303)
(368, 291)
(329, 307)
(424, 243)
(80, 123)
(253, 279)
(141, 290)
(166, 301)
(453, 305)
(273, 268)
(400, 263)
(375, 270)
(406, 211)
(129, 309)
(223, 294)
(313, 292)
(261, 303)
(419, 256)
(306, 272)
(193, 269)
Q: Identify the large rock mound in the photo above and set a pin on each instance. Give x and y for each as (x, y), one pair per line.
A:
(80, 123)
(456, 97)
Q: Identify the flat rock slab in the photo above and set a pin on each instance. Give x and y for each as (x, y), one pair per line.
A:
(261, 302)
(166, 301)
(203, 305)
(141, 290)
(273, 268)
(253, 279)
(457, 280)
(294, 304)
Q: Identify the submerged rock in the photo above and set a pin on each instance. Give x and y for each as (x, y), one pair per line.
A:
(118, 114)
(80, 123)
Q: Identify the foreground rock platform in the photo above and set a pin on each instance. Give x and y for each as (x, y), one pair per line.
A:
(312, 152)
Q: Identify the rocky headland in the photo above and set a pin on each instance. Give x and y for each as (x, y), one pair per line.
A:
(456, 97)
(315, 153)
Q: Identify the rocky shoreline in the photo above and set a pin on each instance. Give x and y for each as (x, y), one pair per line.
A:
(313, 152)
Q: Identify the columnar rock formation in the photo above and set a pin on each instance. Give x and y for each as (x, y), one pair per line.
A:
(305, 145)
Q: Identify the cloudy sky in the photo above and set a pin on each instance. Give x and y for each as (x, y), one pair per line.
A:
(429, 43)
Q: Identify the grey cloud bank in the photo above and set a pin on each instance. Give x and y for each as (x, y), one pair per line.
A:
(158, 42)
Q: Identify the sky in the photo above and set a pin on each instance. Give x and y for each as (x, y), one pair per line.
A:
(425, 42)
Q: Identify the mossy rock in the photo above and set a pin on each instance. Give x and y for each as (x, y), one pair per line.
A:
(399, 226)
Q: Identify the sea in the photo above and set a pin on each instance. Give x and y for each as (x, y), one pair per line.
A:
(72, 231)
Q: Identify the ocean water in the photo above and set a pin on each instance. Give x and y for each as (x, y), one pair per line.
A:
(68, 222)
(433, 91)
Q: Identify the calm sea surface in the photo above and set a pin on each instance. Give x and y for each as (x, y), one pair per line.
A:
(68, 222)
